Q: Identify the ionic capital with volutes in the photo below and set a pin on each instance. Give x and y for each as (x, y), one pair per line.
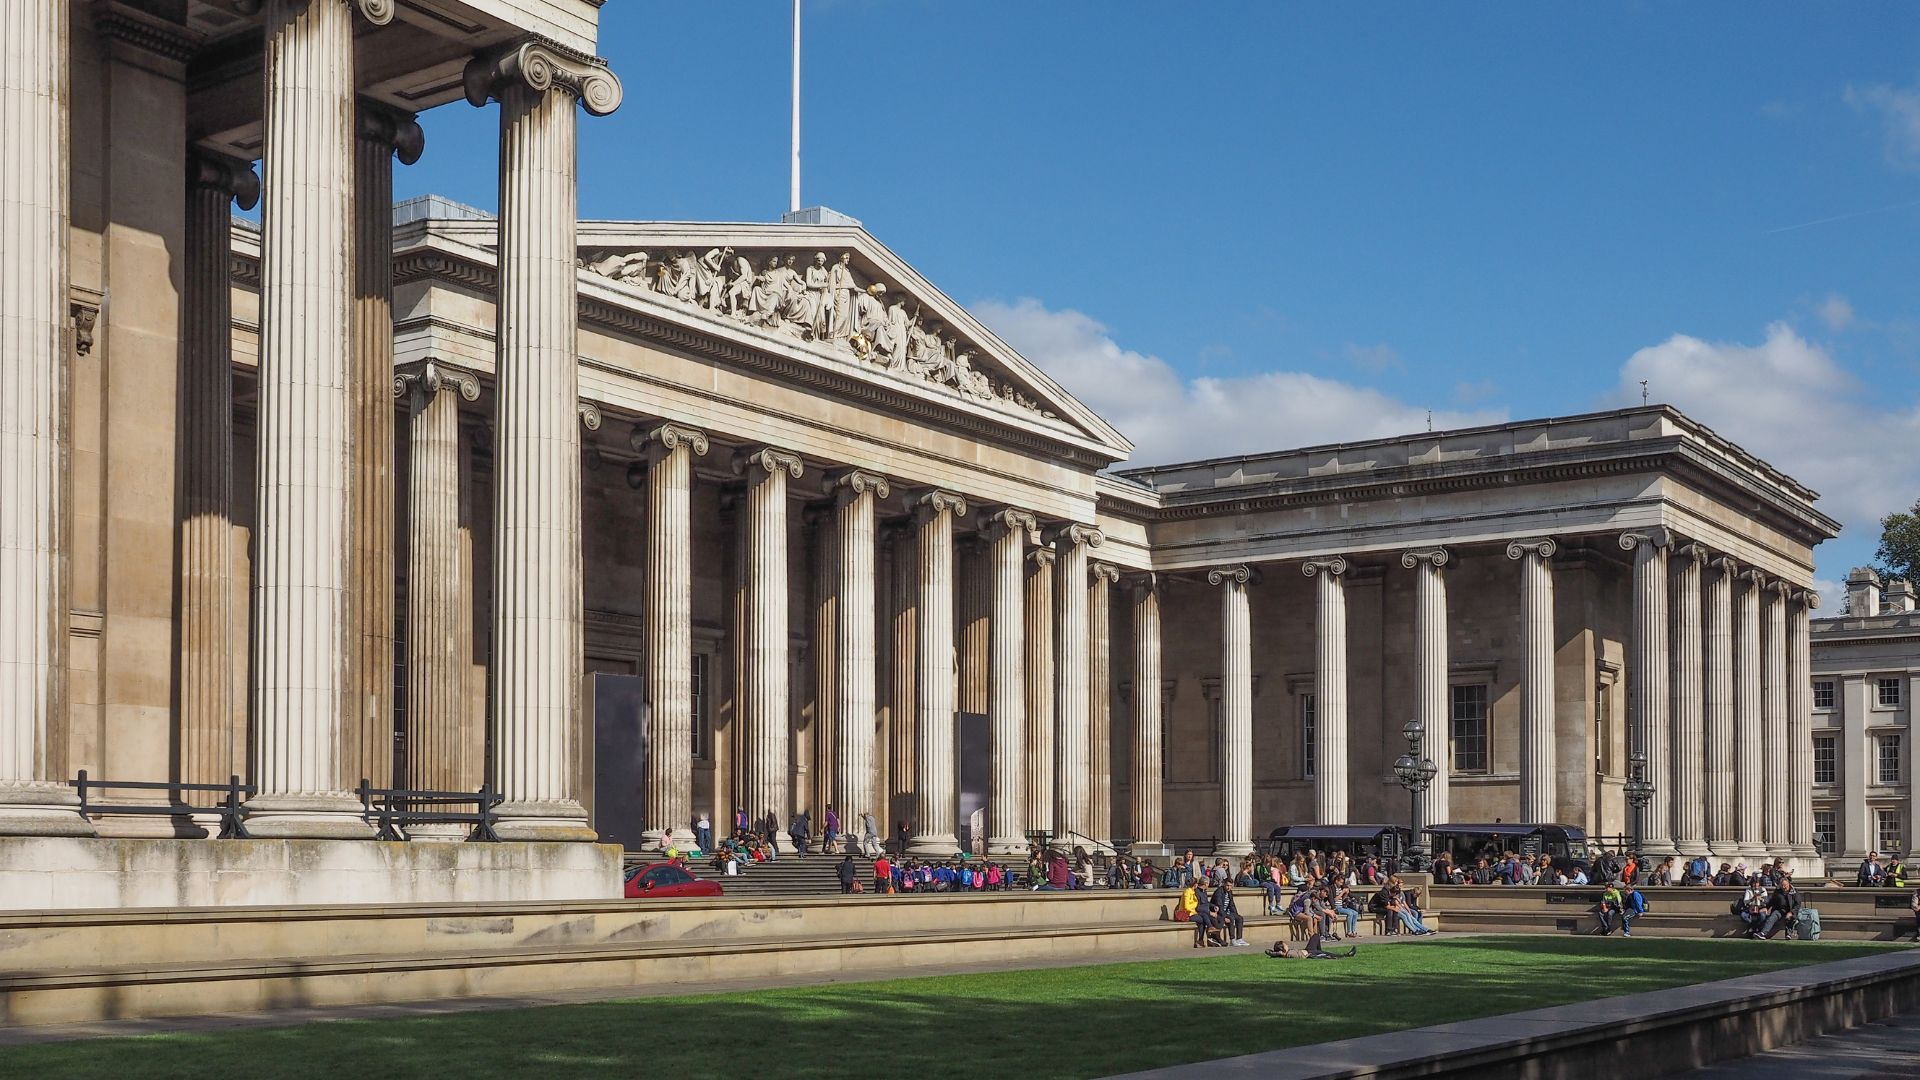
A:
(1692, 552)
(542, 66)
(1099, 570)
(590, 417)
(1434, 557)
(666, 438)
(1332, 567)
(1233, 575)
(380, 123)
(767, 460)
(418, 383)
(1075, 535)
(1656, 537)
(934, 503)
(1008, 520)
(228, 175)
(1540, 547)
(854, 483)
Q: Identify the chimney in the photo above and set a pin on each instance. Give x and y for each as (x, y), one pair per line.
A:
(1899, 597)
(1863, 592)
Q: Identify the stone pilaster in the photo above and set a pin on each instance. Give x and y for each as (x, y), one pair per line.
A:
(1800, 724)
(1041, 730)
(302, 698)
(1146, 820)
(1776, 753)
(1749, 721)
(937, 775)
(1100, 697)
(855, 707)
(537, 649)
(1236, 711)
(1538, 780)
(1008, 531)
(1433, 704)
(212, 726)
(1330, 690)
(765, 720)
(1647, 670)
(34, 337)
(1722, 829)
(444, 736)
(1686, 777)
(381, 133)
(669, 450)
(1073, 669)
(902, 735)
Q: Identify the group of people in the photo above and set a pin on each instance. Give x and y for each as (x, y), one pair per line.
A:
(958, 874)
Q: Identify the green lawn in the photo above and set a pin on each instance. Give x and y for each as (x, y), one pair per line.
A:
(1063, 1022)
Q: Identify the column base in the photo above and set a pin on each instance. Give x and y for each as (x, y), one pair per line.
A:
(1007, 845)
(562, 820)
(941, 845)
(1728, 851)
(1233, 848)
(1150, 849)
(41, 809)
(310, 816)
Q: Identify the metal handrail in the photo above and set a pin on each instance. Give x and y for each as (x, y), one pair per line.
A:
(232, 812)
(392, 810)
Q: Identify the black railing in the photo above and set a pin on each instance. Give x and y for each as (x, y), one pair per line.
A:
(232, 814)
(395, 810)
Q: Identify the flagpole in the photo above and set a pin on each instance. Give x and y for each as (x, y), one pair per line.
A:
(793, 193)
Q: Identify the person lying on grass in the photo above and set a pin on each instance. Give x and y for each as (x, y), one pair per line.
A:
(1314, 949)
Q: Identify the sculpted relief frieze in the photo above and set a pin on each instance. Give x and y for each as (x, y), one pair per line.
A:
(827, 302)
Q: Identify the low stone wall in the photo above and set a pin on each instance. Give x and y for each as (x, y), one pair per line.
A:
(68, 873)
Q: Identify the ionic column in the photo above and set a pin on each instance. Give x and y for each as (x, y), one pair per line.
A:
(1776, 753)
(904, 661)
(1686, 778)
(1749, 719)
(381, 132)
(765, 720)
(213, 740)
(301, 693)
(444, 737)
(855, 687)
(1647, 673)
(1433, 703)
(34, 800)
(669, 450)
(1041, 730)
(1720, 772)
(1800, 723)
(1236, 711)
(1146, 819)
(1330, 691)
(937, 772)
(1073, 670)
(1538, 781)
(1008, 532)
(1100, 696)
(537, 655)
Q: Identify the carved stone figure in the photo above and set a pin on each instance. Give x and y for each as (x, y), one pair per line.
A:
(740, 289)
(819, 300)
(628, 269)
(710, 279)
(840, 281)
(767, 298)
(870, 338)
(684, 281)
(895, 346)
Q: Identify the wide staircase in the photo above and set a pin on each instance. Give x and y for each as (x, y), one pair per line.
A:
(1846, 914)
(803, 875)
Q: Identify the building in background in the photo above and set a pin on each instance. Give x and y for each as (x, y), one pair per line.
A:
(1866, 672)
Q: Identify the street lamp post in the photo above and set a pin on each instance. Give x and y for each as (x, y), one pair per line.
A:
(1639, 793)
(1415, 773)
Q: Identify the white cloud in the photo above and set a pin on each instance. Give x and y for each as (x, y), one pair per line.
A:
(1836, 312)
(1788, 401)
(1898, 109)
(1171, 418)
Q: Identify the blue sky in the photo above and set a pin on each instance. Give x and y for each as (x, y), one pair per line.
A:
(1290, 224)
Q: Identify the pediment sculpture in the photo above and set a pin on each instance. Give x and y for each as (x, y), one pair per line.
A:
(825, 302)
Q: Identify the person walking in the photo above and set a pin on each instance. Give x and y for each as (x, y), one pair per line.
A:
(703, 834)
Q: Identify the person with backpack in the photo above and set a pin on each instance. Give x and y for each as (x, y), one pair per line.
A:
(1699, 871)
(847, 873)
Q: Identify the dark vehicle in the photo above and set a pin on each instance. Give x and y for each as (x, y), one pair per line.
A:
(1566, 844)
(1359, 841)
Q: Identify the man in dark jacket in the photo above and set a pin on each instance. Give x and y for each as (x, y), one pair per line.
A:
(1782, 906)
(846, 872)
(1227, 914)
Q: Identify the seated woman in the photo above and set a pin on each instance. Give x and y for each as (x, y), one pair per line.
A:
(1189, 900)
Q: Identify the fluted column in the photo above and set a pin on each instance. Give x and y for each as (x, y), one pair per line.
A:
(1100, 697)
(1538, 780)
(34, 207)
(765, 717)
(669, 451)
(1041, 733)
(1073, 670)
(1330, 690)
(855, 688)
(1722, 830)
(444, 737)
(1647, 670)
(1749, 719)
(1433, 704)
(1236, 711)
(1008, 532)
(1146, 819)
(902, 739)
(212, 724)
(1686, 777)
(1800, 723)
(302, 697)
(537, 656)
(1777, 753)
(937, 774)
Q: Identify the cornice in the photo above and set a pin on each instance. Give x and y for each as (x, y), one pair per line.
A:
(116, 21)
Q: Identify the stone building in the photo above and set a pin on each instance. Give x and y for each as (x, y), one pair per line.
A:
(633, 522)
(1866, 671)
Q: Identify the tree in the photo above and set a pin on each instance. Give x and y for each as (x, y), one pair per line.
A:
(1899, 551)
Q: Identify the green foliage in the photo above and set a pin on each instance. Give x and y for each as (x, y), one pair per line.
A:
(1059, 1022)
(1899, 551)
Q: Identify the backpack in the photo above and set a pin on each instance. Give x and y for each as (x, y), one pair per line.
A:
(1806, 925)
(1637, 903)
(1170, 879)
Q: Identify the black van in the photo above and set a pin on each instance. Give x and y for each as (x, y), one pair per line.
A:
(1359, 841)
(1566, 844)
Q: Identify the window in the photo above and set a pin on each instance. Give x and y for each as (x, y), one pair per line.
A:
(1823, 831)
(1468, 729)
(1823, 759)
(702, 731)
(1887, 830)
(1889, 693)
(1306, 736)
(1889, 757)
(1823, 694)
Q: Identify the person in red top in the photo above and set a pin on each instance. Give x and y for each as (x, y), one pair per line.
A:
(882, 875)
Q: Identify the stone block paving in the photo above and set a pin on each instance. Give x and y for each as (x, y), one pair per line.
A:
(1884, 1048)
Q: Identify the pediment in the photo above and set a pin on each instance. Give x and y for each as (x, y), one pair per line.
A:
(839, 294)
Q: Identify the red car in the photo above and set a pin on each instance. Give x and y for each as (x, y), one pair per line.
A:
(666, 879)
